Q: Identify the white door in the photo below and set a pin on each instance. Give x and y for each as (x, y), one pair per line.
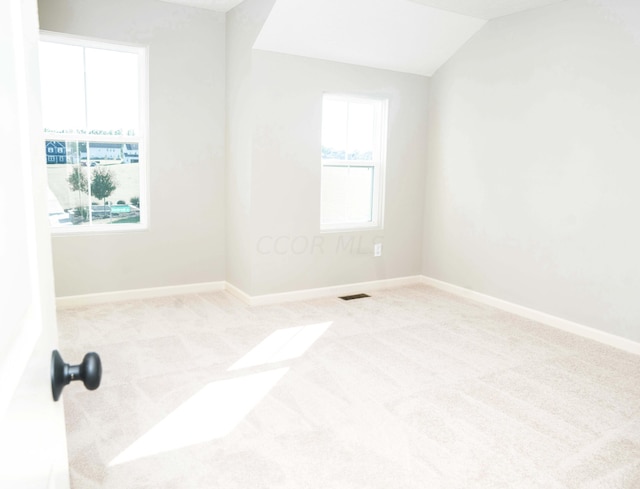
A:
(33, 452)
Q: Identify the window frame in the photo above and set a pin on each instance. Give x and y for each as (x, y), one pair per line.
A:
(378, 166)
(142, 138)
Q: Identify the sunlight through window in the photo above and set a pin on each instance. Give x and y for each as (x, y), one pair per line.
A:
(215, 410)
(284, 344)
(210, 414)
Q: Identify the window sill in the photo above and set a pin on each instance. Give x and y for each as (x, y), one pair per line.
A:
(351, 228)
(98, 229)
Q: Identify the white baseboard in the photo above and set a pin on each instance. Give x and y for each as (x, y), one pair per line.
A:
(541, 317)
(333, 291)
(137, 294)
(338, 290)
(259, 300)
(237, 293)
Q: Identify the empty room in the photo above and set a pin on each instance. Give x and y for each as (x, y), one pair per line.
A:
(320, 244)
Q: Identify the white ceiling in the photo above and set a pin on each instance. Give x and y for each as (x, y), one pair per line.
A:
(398, 35)
(484, 9)
(487, 9)
(411, 36)
(217, 5)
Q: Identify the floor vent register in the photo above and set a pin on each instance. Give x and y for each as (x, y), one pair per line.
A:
(352, 297)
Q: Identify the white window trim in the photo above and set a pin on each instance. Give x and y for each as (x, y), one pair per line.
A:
(379, 185)
(142, 139)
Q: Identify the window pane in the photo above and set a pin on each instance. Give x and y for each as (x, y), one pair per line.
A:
(98, 186)
(360, 195)
(347, 194)
(68, 186)
(62, 87)
(112, 92)
(334, 129)
(360, 131)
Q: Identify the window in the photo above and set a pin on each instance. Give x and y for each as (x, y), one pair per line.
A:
(354, 133)
(94, 113)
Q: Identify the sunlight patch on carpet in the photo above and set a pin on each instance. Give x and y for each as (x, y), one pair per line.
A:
(283, 344)
(212, 413)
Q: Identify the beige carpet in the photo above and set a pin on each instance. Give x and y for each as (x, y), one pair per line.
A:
(411, 388)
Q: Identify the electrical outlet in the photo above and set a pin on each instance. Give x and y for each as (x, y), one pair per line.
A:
(377, 249)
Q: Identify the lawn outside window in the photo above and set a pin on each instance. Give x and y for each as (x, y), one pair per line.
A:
(354, 133)
(94, 111)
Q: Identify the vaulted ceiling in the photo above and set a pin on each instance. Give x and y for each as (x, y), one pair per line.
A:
(217, 5)
(398, 35)
(411, 36)
(487, 9)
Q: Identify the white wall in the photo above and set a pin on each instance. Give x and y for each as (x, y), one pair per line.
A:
(273, 160)
(533, 164)
(243, 26)
(286, 176)
(185, 242)
(271, 184)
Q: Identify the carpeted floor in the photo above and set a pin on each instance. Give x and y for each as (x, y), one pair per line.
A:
(411, 388)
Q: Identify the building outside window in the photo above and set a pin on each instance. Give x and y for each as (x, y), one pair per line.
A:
(94, 116)
(354, 134)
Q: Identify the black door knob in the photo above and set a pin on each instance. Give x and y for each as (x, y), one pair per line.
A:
(89, 372)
